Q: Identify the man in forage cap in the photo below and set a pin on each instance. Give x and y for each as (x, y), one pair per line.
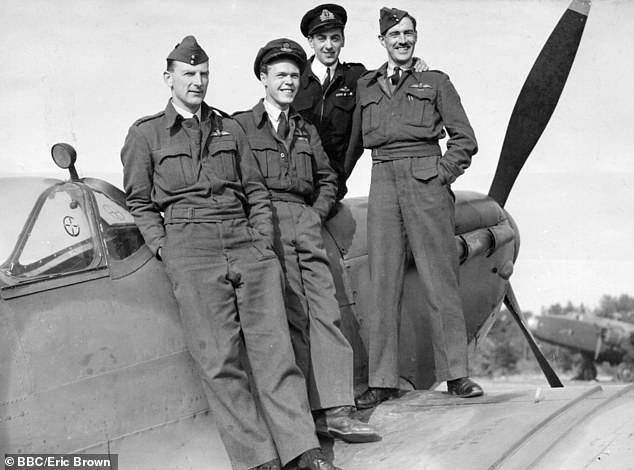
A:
(199, 200)
(303, 191)
(327, 90)
(403, 114)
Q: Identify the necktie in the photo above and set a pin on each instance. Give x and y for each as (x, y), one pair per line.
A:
(324, 85)
(396, 76)
(191, 122)
(282, 127)
(192, 127)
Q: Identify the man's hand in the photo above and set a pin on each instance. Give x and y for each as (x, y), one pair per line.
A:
(420, 65)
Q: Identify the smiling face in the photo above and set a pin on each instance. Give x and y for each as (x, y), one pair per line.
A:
(188, 84)
(327, 45)
(281, 82)
(400, 41)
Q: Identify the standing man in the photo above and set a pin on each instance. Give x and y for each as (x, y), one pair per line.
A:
(327, 92)
(303, 189)
(403, 114)
(199, 200)
(327, 89)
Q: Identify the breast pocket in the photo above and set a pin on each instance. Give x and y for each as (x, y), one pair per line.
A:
(304, 160)
(370, 112)
(221, 159)
(268, 157)
(174, 167)
(418, 109)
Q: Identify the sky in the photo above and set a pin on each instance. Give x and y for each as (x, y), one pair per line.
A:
(82, 71)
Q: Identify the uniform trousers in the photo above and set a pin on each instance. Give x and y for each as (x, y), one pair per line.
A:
(413, 215)
(228, 285)
(321, 349)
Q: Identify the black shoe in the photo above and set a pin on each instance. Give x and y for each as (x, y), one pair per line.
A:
(373, 396)
(274, 464)
(313, 459)
(340, 423)
(464, 387)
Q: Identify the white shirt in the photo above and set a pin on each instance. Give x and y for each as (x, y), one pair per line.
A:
(319, 70)
(390, 69)
(273, 112)
(187, 113)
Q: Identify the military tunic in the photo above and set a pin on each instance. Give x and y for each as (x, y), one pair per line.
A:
(204, 203)
(303, 188)
(331, 112)
(411, 207)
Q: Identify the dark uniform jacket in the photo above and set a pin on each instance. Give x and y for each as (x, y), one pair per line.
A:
(296, 170)
(168, 179)
(331, 111)
(409, 121)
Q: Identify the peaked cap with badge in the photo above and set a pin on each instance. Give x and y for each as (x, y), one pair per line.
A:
(188, 51)
(389, 17)
(276, 49)
(327, 15)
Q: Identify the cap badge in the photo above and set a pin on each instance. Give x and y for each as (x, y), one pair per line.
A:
(326, 15)
(286, 47)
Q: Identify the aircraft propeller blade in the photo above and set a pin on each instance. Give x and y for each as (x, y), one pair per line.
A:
(511, 304)
(538, 97)
(597, 349)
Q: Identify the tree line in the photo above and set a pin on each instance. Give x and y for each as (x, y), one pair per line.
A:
(504, 350)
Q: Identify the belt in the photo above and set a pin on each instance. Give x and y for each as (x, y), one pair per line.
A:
(287, 197)
(197, 214)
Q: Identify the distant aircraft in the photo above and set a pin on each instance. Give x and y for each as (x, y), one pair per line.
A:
(92, 355)
(597, 339)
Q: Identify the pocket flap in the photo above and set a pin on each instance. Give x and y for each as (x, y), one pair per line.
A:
(424, 168)
(367, 99)
(221, 145)
(262, 144)
(172, 151)
(422, 93)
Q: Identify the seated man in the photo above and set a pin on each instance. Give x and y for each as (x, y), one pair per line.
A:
(199, 200)
(303, 189)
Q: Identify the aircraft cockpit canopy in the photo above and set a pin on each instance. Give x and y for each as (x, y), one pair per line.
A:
(54, 228)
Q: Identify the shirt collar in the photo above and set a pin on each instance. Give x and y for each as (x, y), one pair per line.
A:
(273, 112)
(319, 69)
(186, 113)
(390, 69)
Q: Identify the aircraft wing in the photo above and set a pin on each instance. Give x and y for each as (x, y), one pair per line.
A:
(574, 427)
(512, 427)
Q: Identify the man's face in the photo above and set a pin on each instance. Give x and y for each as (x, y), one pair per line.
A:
(327, 45)
(188, 84)
(281, 82)
(400, 41)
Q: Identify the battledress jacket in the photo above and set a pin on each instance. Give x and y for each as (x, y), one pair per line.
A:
(409, 121)
(169, 180)
(296, 170)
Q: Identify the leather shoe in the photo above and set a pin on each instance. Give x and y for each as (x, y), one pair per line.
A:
(340, 423)
(373, 396)
(313, 459)
(464, 387)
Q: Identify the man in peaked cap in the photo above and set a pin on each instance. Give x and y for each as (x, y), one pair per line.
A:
(327, 91)
(303, 191)
(199, 200)
(403, 114)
